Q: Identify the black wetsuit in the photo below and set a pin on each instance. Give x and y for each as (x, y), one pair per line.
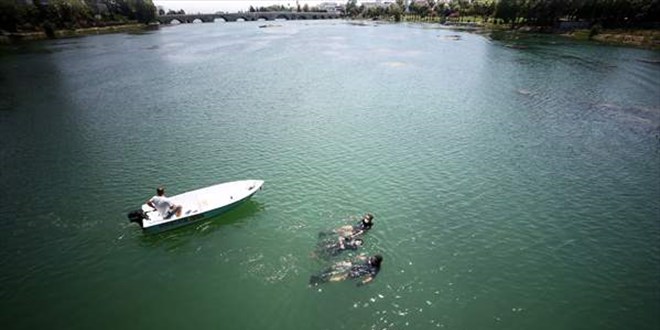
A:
(356, 228)
(336, 249)
(332, 248)
(363, 269)
(360, 270)
(362, 227)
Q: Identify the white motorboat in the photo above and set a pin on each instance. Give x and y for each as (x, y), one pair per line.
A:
(197, 205)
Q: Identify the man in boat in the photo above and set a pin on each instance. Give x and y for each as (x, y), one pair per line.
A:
(365, 268)
(163, 204)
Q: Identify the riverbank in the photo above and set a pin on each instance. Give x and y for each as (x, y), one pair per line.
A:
(649, 38)
(57, 34)
(637, 38)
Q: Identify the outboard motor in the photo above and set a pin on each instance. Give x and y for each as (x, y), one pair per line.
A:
(137, 216)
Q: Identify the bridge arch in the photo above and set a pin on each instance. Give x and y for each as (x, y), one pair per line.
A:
(282, 16)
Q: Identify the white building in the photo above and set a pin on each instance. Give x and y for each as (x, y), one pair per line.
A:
(331, 7)
(377, 3)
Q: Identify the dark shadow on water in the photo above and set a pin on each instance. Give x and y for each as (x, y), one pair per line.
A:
(175, 238)
(25, 48)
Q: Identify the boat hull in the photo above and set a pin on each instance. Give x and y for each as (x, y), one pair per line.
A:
(201, 204)
(184, 221)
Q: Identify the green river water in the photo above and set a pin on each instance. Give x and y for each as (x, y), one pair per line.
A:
(513, 187)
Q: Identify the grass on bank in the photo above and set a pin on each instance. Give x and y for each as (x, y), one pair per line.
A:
(648, 38)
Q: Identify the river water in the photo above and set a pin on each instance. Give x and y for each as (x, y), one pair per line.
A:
(515, 183)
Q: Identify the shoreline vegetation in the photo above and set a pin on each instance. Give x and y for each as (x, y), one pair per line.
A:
(648, 39)
(72, 33)
(616, 22)
(613, 22)
(627, 37)
(42, 19)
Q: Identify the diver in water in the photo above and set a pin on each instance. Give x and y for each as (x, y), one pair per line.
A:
(332, 249)
(365, 224)
(358, 229)
(364, 268)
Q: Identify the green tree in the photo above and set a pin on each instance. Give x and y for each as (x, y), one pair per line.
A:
(401, 4)
(507, 10)
(352, 8)
(8, 15)
(144, 11)
(68, 14)
(420, 8)
(395, 11)
(483, 8)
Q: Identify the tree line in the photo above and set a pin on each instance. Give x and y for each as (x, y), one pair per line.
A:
(24, 16)
(606, 13)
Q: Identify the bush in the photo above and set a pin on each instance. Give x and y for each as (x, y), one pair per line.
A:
(595, 30)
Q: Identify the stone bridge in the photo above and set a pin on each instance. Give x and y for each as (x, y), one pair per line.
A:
(254, 16)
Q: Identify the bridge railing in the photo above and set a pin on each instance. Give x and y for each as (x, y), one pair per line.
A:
(248, 16)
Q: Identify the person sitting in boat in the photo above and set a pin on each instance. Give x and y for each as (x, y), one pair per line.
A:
(333, 249)
(163, 204)
(355, 230)
(364, 268)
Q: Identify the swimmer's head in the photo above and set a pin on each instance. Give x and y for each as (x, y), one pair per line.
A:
(376, 260)
(368, 218)
(358, 242)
